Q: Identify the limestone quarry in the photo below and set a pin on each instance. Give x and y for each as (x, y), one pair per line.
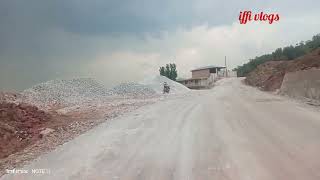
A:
(51, 113)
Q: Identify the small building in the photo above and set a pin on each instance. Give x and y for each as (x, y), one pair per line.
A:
(204, 77)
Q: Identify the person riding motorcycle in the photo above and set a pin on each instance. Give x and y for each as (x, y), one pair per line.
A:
(166, 88)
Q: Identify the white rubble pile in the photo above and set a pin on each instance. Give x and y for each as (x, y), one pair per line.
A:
(156, 83)
(62, 93)
(132, 89)
(74, 93)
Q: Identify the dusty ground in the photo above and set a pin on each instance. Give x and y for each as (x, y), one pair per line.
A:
(230, 132)
(21, 125)
(269, 76)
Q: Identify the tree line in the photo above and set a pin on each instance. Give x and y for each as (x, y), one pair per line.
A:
(287, 53)
(170, 71)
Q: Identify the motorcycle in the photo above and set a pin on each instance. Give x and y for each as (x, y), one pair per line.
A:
(166, 88)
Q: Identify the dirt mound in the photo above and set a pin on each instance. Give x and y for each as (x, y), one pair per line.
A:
(269, 76)
(311, 60)
(20, 125)
(8, 96)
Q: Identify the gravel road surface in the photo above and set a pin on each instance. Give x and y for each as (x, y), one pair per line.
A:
(232, 132)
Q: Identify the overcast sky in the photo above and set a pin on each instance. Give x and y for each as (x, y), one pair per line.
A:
(119, 41)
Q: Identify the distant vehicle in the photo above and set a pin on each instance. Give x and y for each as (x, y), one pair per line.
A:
(166, 88)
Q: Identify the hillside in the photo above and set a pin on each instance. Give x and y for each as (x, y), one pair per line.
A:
(269, 75)
(287, 53)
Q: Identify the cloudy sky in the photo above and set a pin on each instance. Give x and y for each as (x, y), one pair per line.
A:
(119, 41)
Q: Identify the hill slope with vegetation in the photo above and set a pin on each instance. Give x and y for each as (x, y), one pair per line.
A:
(281, 54)
(269, 75)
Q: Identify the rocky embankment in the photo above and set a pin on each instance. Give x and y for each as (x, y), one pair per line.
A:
(269, 76)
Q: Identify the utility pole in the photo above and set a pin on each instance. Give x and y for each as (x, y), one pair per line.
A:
(225, 64)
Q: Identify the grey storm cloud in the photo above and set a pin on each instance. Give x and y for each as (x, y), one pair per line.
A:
(114, 16)
(30, 27)
(46, 39)
(26, 25)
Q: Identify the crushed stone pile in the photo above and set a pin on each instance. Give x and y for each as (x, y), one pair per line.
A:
(61, 93)
(156, 83)
(132, 89)
(58, 94)
(20, 125)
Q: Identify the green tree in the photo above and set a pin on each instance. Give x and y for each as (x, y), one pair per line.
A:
(173, 71)
(169, 70)
(162, 71)
(277, 54)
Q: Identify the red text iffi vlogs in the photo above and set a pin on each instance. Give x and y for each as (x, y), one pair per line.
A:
(246, 16)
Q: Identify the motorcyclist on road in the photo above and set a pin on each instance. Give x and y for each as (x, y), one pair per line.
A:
(166, 88)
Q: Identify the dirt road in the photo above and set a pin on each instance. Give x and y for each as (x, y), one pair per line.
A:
(230, 132)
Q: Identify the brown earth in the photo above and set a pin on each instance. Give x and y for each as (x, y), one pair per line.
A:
(8, 96)
(269, 76)
(20, 125)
